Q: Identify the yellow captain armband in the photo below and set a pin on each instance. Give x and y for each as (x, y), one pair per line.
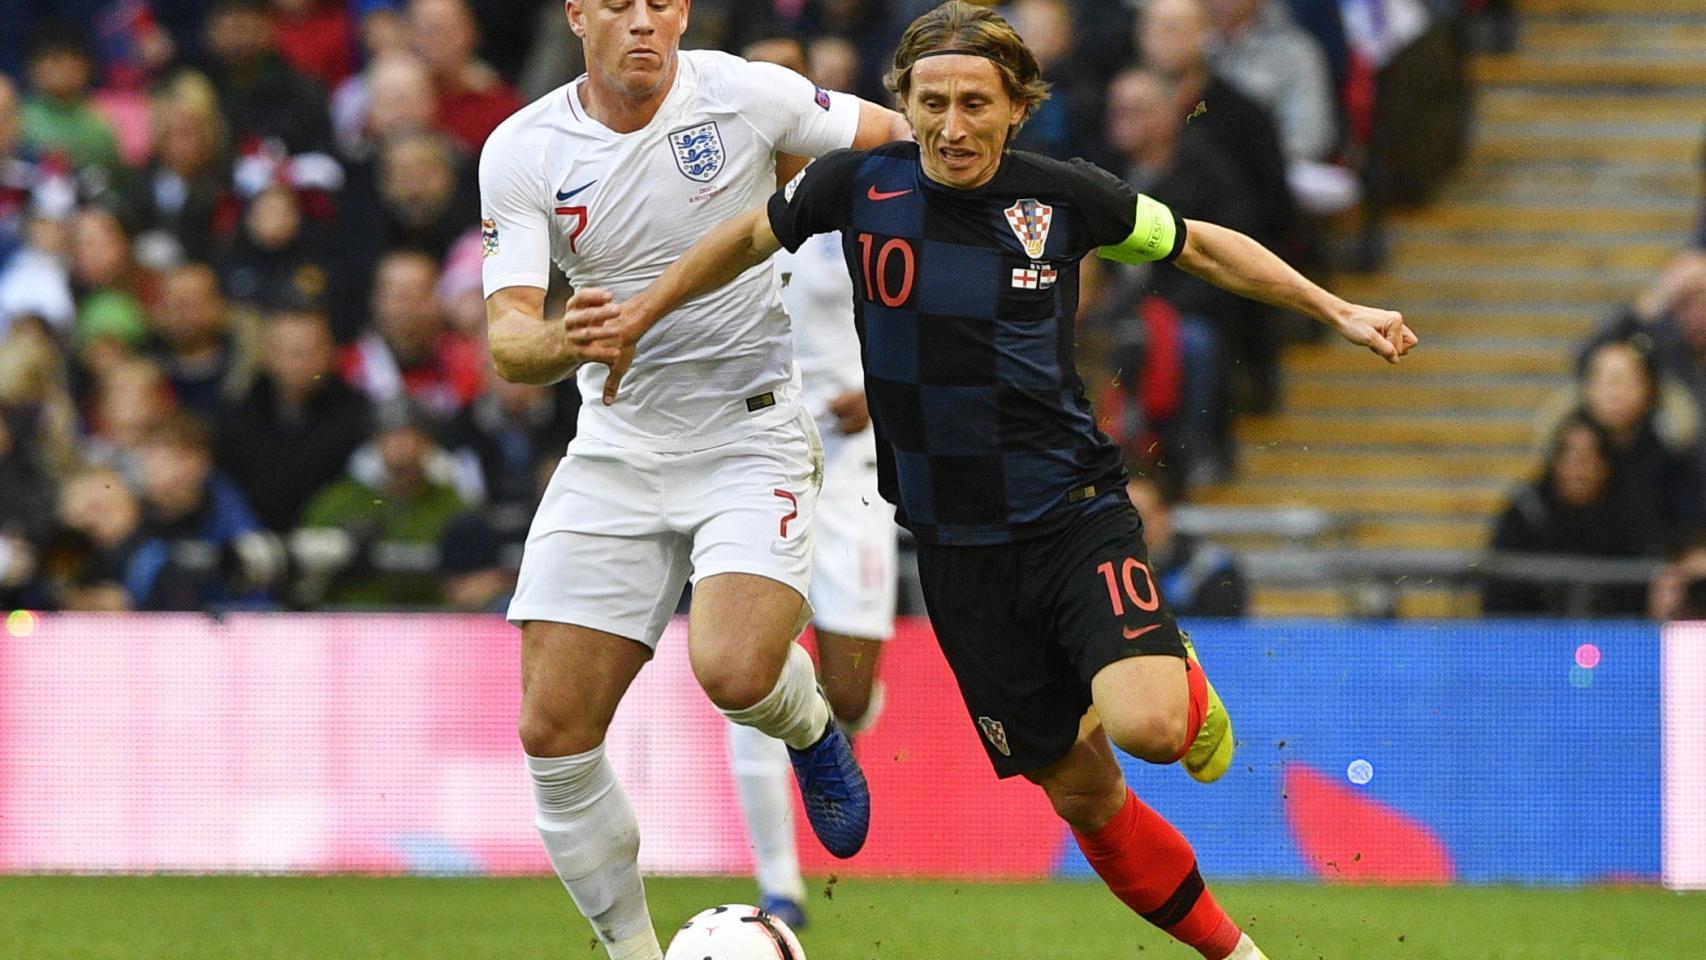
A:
(1155, 235)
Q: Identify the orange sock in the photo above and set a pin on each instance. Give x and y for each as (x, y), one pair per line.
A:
(1150, 866)
(1197, 684)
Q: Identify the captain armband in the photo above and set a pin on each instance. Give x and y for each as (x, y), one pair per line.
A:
(1156, 234)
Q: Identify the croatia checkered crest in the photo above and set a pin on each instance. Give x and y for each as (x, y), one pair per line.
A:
(1030, 219)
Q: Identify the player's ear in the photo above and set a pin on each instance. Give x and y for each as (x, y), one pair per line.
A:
(576, 16)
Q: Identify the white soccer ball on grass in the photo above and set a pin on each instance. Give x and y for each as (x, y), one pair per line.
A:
(734, 931)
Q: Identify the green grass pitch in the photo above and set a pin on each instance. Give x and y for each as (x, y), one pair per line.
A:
(345, 918)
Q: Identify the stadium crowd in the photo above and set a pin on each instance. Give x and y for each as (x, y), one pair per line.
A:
(241, 358)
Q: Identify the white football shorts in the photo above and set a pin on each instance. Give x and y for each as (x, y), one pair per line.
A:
(854, 578)
(620, 530)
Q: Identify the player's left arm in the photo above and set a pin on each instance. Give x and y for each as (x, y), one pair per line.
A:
(1232, 261)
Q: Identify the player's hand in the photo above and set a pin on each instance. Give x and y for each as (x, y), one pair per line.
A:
(851, 412)
(588, 310)
(1382, 331)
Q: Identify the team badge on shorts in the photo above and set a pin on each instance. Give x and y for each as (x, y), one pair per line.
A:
(698, 151)
(996, 734)
(1030, 220)
(488, 238)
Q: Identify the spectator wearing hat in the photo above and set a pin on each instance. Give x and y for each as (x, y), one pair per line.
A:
(294, 431)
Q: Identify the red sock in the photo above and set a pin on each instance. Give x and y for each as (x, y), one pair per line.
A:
(1149, 865)
(1197, 684)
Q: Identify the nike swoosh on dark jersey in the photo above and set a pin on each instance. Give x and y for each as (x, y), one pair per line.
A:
(561, 196)
(1131, 634)
(875, 194)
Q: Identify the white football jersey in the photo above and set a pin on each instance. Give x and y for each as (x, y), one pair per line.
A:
(818, 293)
(613, 210)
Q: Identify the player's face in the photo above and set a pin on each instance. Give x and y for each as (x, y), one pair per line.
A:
(960, 113)
(630, 44)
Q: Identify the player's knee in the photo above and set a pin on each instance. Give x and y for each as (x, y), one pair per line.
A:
(547, 733)
(848, 705)
(731, 686)
(1157, 736)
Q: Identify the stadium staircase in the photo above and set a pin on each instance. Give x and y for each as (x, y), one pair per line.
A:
(1581, 181)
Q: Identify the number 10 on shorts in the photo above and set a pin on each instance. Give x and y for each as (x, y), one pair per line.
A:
(1130, 566)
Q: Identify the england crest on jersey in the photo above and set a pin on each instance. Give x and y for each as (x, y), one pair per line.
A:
(698, 151)
(1030, 221)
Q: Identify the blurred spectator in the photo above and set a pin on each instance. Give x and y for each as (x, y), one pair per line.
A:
(835, 65)
(1198, 579)
(1260, 51)
(471, 568)
(399, 504)
(1672, 313)
(426, 199)
(411, 353)
(317, 37)
(130, 397)
(514, 429)
(35, 281)
(1575, 508)
(100, 558)
(17, 174)
(1173, 38)
(185, 191)
(472, 98)
(37, 432)
(58, 117)
(111, 288)
(1678, 591)
(393, 95)
(262, 96)
(1066, 122)
(278, 257)
(206, 352)
(294, 432)
(1619, 390)
(201, 516)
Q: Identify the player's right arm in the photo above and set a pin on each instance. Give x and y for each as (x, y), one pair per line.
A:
(515, 223)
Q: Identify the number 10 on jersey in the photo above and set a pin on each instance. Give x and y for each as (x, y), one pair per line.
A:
(880, 262)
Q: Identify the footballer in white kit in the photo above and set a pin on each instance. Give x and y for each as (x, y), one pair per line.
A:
(854, 577)
(706, 466)
(709, 463)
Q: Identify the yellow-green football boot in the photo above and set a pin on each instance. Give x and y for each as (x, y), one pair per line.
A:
(1210, 754)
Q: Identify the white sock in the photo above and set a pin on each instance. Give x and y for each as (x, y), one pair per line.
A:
(765, 782)
(794, 712)
(590, 832)
(1246, 950)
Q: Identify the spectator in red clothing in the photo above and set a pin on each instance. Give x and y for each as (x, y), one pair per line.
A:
(472, 98)
(412, 351)
(317, 37)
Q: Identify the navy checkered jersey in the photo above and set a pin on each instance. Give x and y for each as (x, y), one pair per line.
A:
(965, 303)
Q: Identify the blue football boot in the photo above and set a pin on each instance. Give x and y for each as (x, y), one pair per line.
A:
(784, 909)
(833, 791)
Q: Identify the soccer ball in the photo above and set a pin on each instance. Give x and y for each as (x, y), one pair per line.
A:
(734, 931)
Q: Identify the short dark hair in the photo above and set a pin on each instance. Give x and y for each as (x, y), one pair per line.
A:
(60, 37)
(182, 430)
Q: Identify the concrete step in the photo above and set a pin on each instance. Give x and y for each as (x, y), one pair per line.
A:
(1563, 219)
(1408, 249)
(1431, 359)
(1328, 461)
(1493, 145)
(1372, 493)
(1317, 603)
(1576, 36)
(1430, 431)
(1425, 533)
(1316, 394)
(1590, 292)
(1434, 322)
(1621, 9)
(1593, 71)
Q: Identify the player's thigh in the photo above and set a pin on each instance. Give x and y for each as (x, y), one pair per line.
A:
(740, 630)
(572, 679)
(598, 554)
(1021, 690)
(1108, 614)
(855, 570)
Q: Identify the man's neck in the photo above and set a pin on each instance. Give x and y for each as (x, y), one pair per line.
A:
(619, 112)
